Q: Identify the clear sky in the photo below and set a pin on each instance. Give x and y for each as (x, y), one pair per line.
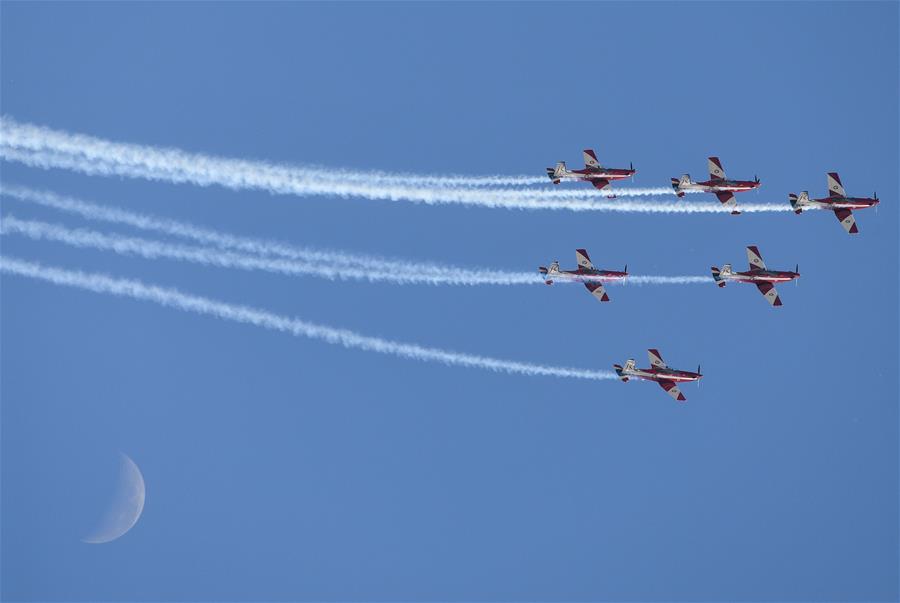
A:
(279, 468)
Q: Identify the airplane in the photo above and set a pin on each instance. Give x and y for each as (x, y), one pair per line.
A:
(593, 172)
(585, 273)
(667, 378)
(837, 201)
(717, 183)
(758, 275)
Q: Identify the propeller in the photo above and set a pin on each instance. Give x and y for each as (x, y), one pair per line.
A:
(797, 272)
(631, 167)
(875, 196)
(626, 269)
(700, 375)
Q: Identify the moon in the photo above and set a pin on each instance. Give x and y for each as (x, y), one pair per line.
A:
(126, 506)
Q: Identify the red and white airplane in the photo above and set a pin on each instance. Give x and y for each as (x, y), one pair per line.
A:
(758, 274)
(592, 278)
(593, 172)
(837, 201)
(667, 378)
(717, 183)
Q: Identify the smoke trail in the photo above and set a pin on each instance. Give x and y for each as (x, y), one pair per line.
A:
(101, 283)
(205, 236)
(149, 249)
(400, 275)
(37, 138)
(638, 279)
(328, 264)
(45, 148)
(577, 192)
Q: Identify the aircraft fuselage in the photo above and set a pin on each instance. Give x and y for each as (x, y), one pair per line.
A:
(762, 276)
(588, 174)
(720, 186)
(583, 276)
(841, 203)
(658, 374)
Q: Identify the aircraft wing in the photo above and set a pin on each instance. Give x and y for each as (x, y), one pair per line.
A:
(656, 360)
(600, 183)
(583, 259)
(597, 291)
(716, 171)
(769, 292)
(835, 188)
(590, 159)
(754, 258)
(727, 199)
(672, 390)
(845, 216)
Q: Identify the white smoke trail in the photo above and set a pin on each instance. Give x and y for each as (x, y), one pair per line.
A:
(150, 249)
(638, 279)
(220, 239)
(327, 264)
(45, 148)
(575, 193)
(38, 138)
(101, 283)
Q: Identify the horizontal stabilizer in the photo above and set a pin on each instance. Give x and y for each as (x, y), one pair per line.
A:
(717, 276)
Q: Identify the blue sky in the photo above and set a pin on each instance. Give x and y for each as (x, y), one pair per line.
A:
(284, 469)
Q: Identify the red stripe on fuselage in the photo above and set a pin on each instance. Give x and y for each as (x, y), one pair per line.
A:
(599, 275)
(677, 376)
(603, 174)
(764, 277)
(735, 186)
(846, 202)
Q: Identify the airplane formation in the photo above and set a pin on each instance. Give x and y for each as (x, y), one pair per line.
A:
(724, 189)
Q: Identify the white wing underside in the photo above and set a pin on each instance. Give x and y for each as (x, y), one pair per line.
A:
(655, 359)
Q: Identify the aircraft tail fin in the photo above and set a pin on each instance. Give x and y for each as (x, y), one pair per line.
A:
(720, 276)
(798, 202)
(677, 183)
(549, 273)
(622, 371)
(557, 173)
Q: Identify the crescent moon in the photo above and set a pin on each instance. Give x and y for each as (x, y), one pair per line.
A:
(126, 506)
